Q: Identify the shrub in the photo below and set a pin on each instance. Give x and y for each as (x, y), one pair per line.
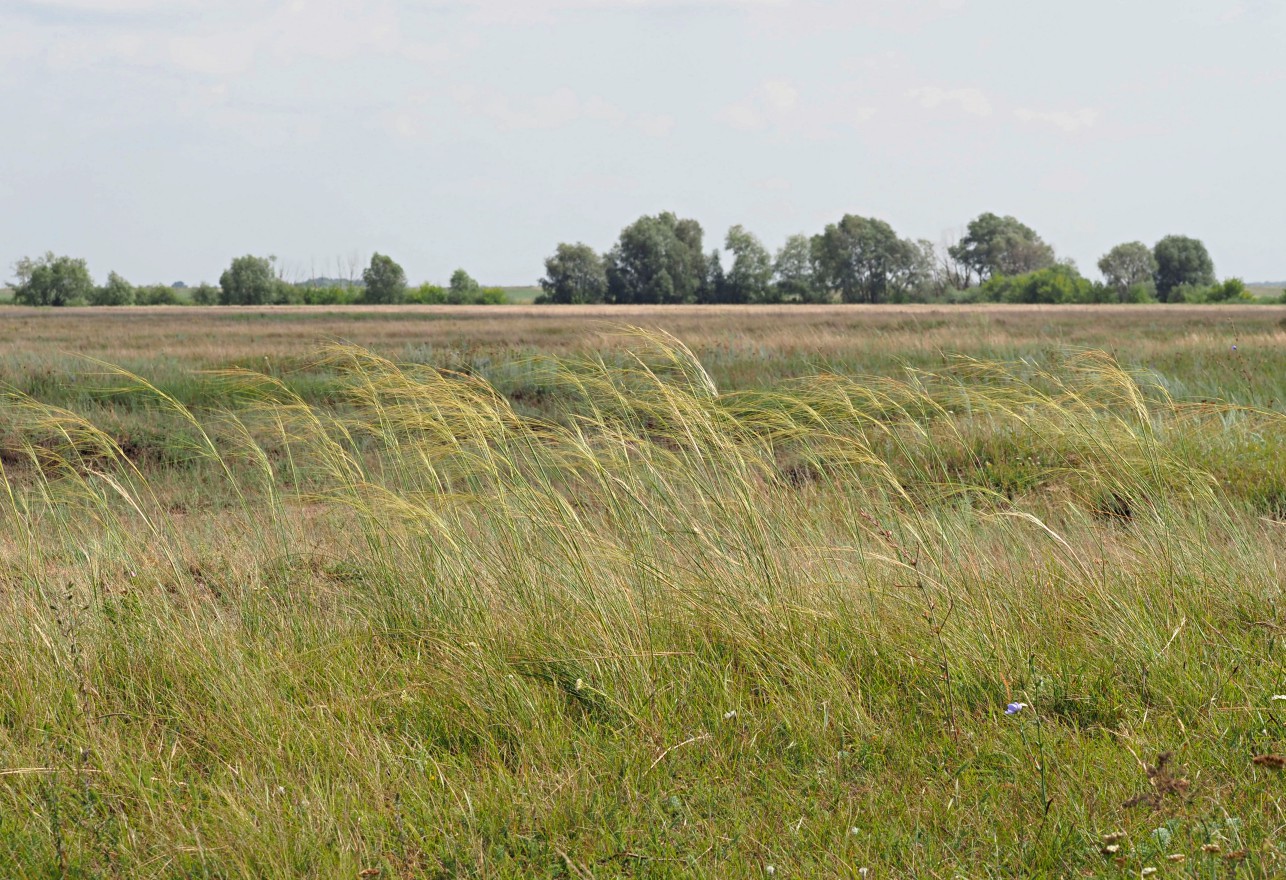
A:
(205, 295)
(116, 292)
(156, 295)
(427, 295)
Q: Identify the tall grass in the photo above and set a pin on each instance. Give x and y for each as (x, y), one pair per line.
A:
(659, 630)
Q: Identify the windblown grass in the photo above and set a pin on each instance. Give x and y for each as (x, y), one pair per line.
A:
(655, 629)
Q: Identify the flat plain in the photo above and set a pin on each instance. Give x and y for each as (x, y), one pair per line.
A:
(646, 592)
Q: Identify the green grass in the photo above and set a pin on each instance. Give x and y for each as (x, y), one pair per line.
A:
(646, 628)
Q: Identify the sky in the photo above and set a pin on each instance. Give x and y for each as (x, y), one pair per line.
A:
(162, 138)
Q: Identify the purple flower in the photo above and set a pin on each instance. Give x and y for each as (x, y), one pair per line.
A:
(1234, 348)
(1015, 708)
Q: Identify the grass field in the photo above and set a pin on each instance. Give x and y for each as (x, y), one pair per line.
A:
(518, 592)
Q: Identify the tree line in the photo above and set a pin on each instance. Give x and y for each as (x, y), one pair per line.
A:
(661, 259)
(53, 280)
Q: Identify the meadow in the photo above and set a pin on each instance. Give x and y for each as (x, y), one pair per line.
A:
(643, 592)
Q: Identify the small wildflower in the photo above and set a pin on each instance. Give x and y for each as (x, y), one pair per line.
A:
(1147, 872)
(862, 872)
(580, 683)
(1177, 857)
(1114, 837)
(1234, 348)
(854, 831)
(730, 714)
(770, 870)
(281, 789)
(1111, 849)
(1015, 708)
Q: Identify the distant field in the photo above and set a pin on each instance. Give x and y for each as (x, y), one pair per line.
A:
(572, 592)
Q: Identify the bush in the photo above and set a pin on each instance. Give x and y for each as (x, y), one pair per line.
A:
(156, 295)
(427, 295)
(1057, 284)
(286, 294)
(1232, 290)
(205, 295)
(333, 295)
(493, 296)
(116, 292)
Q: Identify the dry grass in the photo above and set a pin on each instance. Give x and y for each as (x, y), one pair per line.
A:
(391, 620)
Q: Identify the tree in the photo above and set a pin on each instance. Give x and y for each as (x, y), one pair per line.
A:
(995, 245)
(714, 283)
(750, 278)
(1126, 266)
(657, 260)
(385, 281)
(1181, 260)
(864, 259)
(51, 281)
(796, 272)
(574, 274)
(205, 295)
(249, 281)
(116, 292)
(464, 290)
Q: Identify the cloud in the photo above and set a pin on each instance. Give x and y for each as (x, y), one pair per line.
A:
(777, 106)
(967, 100)
(770, 105)
(555, 110)
(1067, 120)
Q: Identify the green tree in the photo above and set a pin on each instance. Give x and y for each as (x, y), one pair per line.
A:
(249, 281)
(796, 272)
(51, 281)
(995, 245)
(864, 259)
(714, 283)
(116, 292)
(1126, 266)
(657, 260)
(574, 274)
(385, 281)
(750, 278)
(205, 295)
(1181, 261)
(463, 289)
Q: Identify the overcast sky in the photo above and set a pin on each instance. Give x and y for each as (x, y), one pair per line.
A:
(161, 138)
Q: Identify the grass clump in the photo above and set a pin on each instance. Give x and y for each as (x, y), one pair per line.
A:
(656, 630)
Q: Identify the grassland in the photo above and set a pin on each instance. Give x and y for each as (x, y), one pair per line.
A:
(506, 592)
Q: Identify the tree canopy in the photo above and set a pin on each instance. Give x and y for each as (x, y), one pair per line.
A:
(1128, 266)
(116, 292)
(994, 245)
(574, 274)
(865, 260)
(1181, 261)
(750, 278)
(385, 280)
(249, 281)
(657, 260)
(51, 281)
